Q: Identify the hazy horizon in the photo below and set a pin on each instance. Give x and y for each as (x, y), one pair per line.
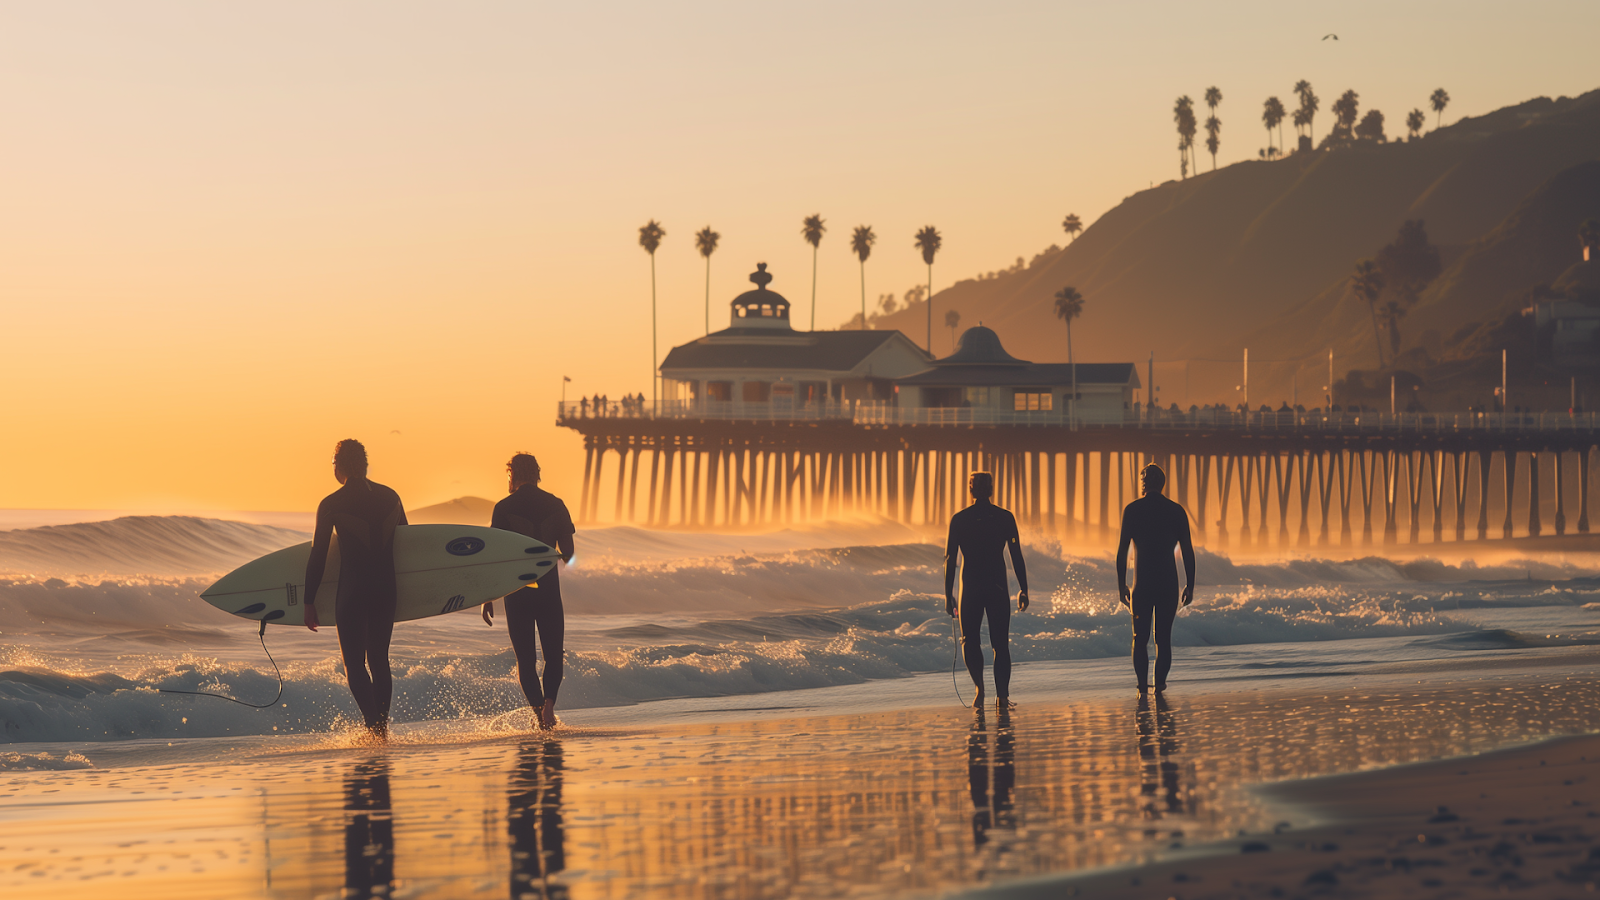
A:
(207, 204)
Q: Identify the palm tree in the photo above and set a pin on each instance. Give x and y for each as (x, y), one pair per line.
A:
(811, 229)
(1589, 238)
(861, 242)
(928, 241)
(1069, 306)
(1183, 115)
(1213, 125)
(1308, 105)
(1367, 282)
(650, 235)
(1393, 312)
(1440, 99)
(1072, 225)
(1346, 110)
(1301, 89)
(951, 320)
(1415, 120)
(705, 240)
(1272, 114)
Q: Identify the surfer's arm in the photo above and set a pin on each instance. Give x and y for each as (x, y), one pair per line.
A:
(1187, 546)
(318, 562)
(567, 548)
(1122, 560)
(1014, 544)
(951, 545)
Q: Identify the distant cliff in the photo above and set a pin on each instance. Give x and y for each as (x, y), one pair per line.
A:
(1258, 254)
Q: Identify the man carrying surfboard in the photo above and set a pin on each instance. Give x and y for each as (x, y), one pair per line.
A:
(537, 608)
(364, 514)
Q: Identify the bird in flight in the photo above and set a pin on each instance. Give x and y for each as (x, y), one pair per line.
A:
(1334, 37)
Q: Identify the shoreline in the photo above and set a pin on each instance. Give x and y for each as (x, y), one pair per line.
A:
(804, 800)
(1516, 818)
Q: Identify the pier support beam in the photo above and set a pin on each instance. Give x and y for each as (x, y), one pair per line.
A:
(1561, 496)
(1583, 490)
(1510, 457)
(1535, 523)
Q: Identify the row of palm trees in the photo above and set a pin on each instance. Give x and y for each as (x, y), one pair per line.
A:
(927, 240)
(1273, 114)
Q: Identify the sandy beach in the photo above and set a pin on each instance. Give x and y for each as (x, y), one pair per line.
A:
(776, 799)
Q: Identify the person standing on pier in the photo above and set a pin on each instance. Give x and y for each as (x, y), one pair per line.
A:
(536, 609)
(982, 534)
(1154, 525)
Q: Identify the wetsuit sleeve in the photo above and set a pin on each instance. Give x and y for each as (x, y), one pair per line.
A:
(1187, 545)
(951, 545)
(401, 507)
(1122, 548)
(1014, 543)
(321, 539)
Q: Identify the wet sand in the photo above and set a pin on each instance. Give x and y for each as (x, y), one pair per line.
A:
(1522, 820)
(913, 802)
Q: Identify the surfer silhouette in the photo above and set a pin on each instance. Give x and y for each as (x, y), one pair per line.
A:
(364, 515)
(537, 607)
(1154, 525)
(981, 534)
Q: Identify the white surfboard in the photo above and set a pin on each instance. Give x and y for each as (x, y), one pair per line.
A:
(438, 569)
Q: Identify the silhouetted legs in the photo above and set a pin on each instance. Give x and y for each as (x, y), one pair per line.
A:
(533, 612)
(998, 609)
(365, 626)
(1154, 606)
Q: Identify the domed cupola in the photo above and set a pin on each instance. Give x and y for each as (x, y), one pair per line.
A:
(760, 308)
(980, 346)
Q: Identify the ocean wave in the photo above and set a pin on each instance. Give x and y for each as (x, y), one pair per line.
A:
(142, 545)
(904, 635)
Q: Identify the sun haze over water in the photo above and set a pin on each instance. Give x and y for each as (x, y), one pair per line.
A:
(234, 234)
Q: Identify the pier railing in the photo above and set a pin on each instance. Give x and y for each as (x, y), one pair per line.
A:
(882, 413)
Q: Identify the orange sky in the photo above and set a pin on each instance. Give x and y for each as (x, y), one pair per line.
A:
(234, 233)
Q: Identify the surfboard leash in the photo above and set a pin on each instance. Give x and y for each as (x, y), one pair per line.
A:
(262, 636)
(955, 635)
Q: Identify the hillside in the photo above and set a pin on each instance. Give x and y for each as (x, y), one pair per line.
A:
(460, 511)
(1257, 254)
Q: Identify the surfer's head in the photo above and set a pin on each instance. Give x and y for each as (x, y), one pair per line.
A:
(1153, 479)
(523, 469)
(981, 484)
(349, 460)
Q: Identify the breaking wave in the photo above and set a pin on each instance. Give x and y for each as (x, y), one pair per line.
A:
(653, 616)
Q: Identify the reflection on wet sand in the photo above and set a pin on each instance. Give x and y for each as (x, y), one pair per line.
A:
(991, 808)
(917, 801)
(1161, 781)
(534, 822)
(368, 831)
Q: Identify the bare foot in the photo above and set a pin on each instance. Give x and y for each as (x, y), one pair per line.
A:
(977, 698)
(547, 716)
(1004, 703)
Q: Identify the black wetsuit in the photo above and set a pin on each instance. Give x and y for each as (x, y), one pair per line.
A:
(982, 533)
(543, 517)
(1154, 525)
(364, 514)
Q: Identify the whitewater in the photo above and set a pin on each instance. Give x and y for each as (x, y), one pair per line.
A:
(95, 617)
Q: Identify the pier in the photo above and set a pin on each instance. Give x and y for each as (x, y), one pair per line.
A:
(1284, 479)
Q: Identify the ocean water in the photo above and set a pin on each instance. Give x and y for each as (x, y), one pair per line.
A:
(95, 617)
